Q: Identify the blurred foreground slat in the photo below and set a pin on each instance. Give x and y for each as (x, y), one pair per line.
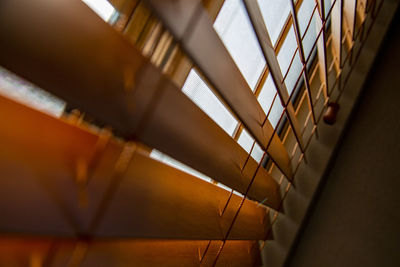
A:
(22, 252)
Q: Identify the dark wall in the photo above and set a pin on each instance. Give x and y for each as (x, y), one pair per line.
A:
(355, 220)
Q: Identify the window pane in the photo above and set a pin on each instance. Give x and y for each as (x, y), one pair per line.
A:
(22, 91)
(234, 28)
(102, 7)
(267, 94)
(293, 73)
(284, 58)
(246, 142)
(275, 13)
(198, 91)
(276, 113)
(328, 5)
(157, 155)
(257, 153)
(310, 37)
(287, 50)
(304, 14)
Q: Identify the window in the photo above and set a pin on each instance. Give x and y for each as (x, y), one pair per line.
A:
(156, 209)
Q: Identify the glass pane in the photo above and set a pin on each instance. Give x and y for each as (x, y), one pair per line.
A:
(102, 7)
(257, 153)
(304, 14)
(267, 94)
(198, 91)
(157, 155)
(293, 73)
(275, 13)
(328, 5)
(276, 113)
(310, 36)
(287, 50)
(234, 28)
(246, 142)
(22, 91)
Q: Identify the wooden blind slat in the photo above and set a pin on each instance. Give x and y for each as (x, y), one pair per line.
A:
(84, 61)
(18, 252)
(62, 190)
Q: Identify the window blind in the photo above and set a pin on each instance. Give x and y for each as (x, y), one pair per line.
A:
(246, 129)
(94, 183)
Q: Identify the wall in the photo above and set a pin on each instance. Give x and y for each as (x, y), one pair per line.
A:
(355, 218)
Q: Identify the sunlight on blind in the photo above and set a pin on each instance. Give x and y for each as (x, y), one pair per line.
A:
(234, 28)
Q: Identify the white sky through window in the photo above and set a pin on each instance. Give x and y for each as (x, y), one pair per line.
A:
(234, 28)
(198, 91)
(102, 7)
(18, 89)
(275, 13)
